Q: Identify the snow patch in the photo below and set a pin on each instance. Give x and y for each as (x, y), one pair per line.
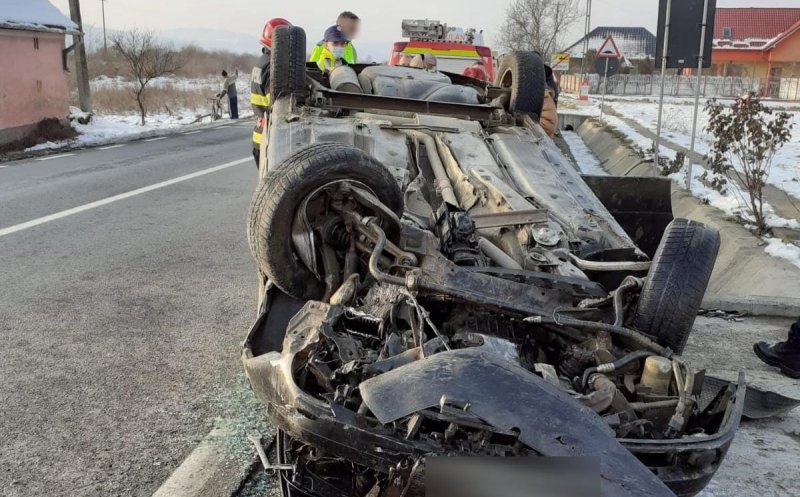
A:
(676, 126)
(587, 162)
(102, 130)
(34, 14)
(729, 202)
(779, 248)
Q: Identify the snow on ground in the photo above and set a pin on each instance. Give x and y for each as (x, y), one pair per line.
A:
(587, 162)
(110, 129)
(211, 84)
(677, 126)
(779, 248)
(728, 202)
(105, 129)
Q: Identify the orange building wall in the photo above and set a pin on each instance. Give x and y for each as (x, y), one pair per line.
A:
(788, 50)
(757, 63)
(33, 84)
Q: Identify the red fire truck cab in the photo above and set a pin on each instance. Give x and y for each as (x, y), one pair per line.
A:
(455, 48)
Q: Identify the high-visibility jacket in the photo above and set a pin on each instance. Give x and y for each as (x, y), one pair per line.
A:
(259, 95)
(326, 60)
(350, 56)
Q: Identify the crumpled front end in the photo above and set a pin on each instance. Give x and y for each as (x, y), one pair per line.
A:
(346, 437)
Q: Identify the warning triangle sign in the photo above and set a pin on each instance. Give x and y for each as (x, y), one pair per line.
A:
(608, 50)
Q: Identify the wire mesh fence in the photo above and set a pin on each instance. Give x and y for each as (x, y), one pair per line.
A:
(684, 86)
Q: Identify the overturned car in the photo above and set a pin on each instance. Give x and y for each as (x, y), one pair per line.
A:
(439, 281)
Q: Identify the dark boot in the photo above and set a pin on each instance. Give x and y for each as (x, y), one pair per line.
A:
(783, 355)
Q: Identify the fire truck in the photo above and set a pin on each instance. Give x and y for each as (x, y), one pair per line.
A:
(455, 48)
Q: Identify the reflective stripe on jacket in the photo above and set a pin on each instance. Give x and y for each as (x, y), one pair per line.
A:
(259, 95)
(350, 56)
(259, 85)
(326, 60)
(258, 131)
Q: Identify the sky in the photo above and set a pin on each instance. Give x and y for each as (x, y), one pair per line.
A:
(380, 19)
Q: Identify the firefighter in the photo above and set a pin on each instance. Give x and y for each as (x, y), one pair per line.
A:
(333, 49)
(349, 24)
(259, 85)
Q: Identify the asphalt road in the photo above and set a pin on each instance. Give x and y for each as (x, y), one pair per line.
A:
(126, 287)
(121, 319)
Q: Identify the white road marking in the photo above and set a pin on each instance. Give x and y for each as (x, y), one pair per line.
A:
(209, 460)
(192, 132)
(51, 157)
(156, 139)
(224, 126)
(112, 146)
(116, 198)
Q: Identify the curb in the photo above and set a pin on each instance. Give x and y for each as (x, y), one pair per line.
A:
(745, 277)
(783, 308)
(209, 471)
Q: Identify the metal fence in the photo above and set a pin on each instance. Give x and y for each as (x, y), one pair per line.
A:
(684, 86)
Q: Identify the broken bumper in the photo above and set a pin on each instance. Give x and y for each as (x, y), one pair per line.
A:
(685, 465)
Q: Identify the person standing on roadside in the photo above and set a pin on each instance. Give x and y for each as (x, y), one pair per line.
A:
(229, 88)
(259, 86)
(349, 25)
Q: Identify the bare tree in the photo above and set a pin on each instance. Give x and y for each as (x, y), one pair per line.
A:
(147, 58)
(538, 25)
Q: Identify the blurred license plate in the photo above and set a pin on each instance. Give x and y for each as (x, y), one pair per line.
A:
(512, 477)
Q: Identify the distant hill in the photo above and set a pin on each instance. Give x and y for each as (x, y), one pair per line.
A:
(220, 39)
(213, 39)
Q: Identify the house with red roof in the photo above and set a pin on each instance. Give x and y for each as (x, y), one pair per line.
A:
(756, 42)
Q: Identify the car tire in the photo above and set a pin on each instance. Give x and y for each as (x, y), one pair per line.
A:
(676, 283)
(274, 204)
(256, 203)
(288, 63)
(524, 73)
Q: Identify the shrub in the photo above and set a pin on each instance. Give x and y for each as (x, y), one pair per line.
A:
(746, 136)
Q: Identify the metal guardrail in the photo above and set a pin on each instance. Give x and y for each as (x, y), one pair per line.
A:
(684, 86)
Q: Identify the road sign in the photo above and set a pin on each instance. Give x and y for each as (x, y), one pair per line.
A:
(686, 19)
(613, 66)
(608, 50)
(560, 61)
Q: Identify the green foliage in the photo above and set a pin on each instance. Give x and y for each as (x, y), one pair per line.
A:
(747, 134)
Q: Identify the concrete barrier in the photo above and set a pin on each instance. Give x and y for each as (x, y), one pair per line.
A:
(745, 277)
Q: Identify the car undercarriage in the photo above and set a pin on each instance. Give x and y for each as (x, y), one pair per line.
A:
(439, 281)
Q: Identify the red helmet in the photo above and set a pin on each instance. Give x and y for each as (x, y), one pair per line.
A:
(269, 28)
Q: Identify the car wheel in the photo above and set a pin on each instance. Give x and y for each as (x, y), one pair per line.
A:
(272, 217)
(676, 283)
(524, 73)
(288, 63)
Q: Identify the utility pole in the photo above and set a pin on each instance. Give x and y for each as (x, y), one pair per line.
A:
(586, 27)
(81, 67)
(657, 144)
(697, 94)
(105, 43)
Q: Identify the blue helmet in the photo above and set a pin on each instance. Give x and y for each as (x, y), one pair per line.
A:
(334, 34)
